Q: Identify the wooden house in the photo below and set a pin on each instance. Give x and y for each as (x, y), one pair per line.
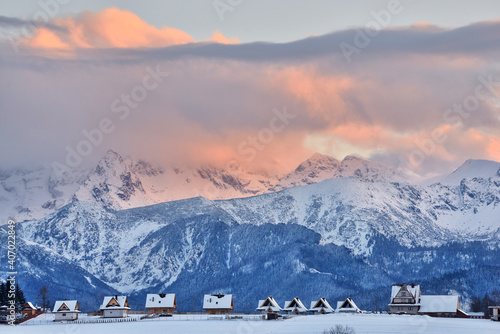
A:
(29, 309)
(66, 310)
(405, 299)
(408, 299)
(494, 313)
(321, 306)
(218, 304)
(347, 306)
(268, 305)
(161, 303)
(115, 307)
(295, 306)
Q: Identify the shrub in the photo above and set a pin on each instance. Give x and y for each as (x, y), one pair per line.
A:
(339, 329)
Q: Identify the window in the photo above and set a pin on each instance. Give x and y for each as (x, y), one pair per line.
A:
(64, 314)
(404, 294)
(410, 308)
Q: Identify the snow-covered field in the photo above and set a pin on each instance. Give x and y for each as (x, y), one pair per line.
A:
(365, 323)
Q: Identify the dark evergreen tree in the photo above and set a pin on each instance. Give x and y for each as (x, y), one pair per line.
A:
(20, 299)
(496, 297)
(476, 304)
(487, 301)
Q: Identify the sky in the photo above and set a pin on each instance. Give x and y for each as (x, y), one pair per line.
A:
(265, 84)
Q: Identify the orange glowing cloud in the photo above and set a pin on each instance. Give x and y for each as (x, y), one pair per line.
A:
(218, 37)
(113, 28)
(323, 94)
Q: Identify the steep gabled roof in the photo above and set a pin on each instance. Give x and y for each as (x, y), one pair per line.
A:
(212, 302)
(29, 306)
(269, 304)
(161, 300)
(321, 304)
(347, 305)
(295, 305)
(115, 303)
(66, 306)
(414, 289)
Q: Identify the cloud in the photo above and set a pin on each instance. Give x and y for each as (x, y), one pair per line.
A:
(109, 28)
(216, 105)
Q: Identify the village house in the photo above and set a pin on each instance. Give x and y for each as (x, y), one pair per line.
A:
(407, 299)
(321, 306)
(295, 306)
(269, 305)
(66, 310)
(347, 306)
(29, 309)
(163, 303)
(115, 307)
(218, 304)
(494, 313)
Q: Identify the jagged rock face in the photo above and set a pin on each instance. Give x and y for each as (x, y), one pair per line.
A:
(346, 227)
(265, 245)
(120, 183)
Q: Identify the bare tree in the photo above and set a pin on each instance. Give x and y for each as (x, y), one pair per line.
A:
(339, 329)
(43, 298)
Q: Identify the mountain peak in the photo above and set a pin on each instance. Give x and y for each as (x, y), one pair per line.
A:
(317, 160)
(354, 158)
(469, 169)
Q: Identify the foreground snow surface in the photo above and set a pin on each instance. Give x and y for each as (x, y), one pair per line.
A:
(366, 323)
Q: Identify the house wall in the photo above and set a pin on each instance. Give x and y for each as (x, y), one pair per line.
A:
(404, 296)
(115, 313)
(68, 316)
(161, 310)
(29, 312)
(218, 311)
(404, 309)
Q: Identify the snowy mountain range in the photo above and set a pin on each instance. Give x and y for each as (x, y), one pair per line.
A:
(330, 228)
(123, 183)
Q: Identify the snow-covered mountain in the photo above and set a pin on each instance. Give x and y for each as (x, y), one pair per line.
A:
(469, 170)
(345, 235)
(122, 183)
(322, 167)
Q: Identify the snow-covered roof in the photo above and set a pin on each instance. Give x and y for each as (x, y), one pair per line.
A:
(268, 304)
(161, 300)
(435, 304)
(321, 303)
(219, 301)
(66, 306)
(115, 303)
(414, 290)
(294, 305)
(29, 305)
(347, 305)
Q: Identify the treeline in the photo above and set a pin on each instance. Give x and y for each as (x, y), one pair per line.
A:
(7, 291)
(479, 304)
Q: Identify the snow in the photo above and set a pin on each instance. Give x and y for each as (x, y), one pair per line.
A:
(362, 324)
(71, 304)
(90, 281)
(470, 169)
(217, 302)
(164, 301)
(121, 300)
(436, 303)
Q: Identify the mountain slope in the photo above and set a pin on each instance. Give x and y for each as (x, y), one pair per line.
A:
(123, 183)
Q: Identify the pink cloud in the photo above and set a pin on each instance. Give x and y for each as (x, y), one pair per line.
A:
(113, 28)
